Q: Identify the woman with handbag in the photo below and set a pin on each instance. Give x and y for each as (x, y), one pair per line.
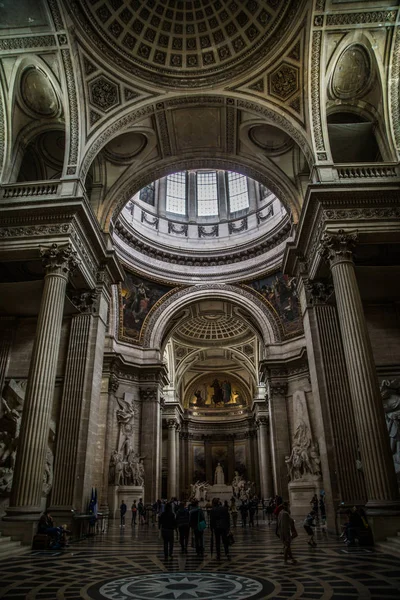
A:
(197, 524)
(220, 525)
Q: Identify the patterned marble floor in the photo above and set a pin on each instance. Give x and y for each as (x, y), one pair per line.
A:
(128, 563)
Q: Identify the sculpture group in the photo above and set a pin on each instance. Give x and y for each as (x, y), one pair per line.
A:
(126, 466)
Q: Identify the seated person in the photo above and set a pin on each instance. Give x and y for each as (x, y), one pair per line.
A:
(46, 526)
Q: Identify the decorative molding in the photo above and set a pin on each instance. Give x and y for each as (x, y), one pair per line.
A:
(59, 258)
(56, 14)
(73, 108)
(278, 388)
(339, 214)
(162, 125)
(178, 229)
(230, 132)
(338, 247)
(233, 228)
(2, 130)
(20, 190)
(148, 394)
(35, 230)
(315, 90)
(85, 302)
(211, 231)
(104, 94)
(362, 18)
(193, 260)
(318, 292)
(283, 81)
(261, 218)
(25, 43)
(152, 223)
(394, 89)
(113, 384)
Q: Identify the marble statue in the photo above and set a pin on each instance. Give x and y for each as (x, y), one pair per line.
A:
(390, 391)
(199, 490)
(219, 477)
(126, 467)
(304, 461)
(11, 404)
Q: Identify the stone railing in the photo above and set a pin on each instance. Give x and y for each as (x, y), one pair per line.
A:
(24, 190)
(371, 171)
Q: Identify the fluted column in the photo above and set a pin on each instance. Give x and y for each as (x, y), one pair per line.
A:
(113, 385)
(150, 441)
(171, 483)
(280, 435)
(178, 461)
(380, 477)
(264, 458)
(28, 475)
(328, 370)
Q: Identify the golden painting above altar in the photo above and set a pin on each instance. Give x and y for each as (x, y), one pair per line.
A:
(220, 392)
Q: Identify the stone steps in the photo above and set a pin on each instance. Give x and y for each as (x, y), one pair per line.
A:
(10, 548)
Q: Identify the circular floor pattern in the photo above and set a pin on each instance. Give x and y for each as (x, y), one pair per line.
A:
(182, 586)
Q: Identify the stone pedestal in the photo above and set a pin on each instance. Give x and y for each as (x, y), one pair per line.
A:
(221, 491)
(128, 493)
(301, 492)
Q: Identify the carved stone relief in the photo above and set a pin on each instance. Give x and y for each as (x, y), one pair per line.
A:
(304, 461)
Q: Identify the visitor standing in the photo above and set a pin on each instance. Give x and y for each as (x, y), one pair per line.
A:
(287, 532)
(234, 512)
(134, 513)
(142, 512)
(182, 521)
(308, 526)
(244, 509)
(167, 524)
(122, 510)
(196, 517)
(220, 524)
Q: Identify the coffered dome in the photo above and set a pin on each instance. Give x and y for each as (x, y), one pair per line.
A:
(180, 40)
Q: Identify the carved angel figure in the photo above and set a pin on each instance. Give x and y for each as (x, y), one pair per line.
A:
(126, 411)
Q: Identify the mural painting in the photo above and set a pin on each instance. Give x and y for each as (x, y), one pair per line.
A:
(199, 463)
(137, 297)
(219, 454)
(240, 459)
(217, 392)
(280, 291)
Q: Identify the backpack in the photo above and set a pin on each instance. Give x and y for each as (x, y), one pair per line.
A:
(182, 517)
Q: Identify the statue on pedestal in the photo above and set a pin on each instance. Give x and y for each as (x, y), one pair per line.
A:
(219, 477)
(304, 461)
(390, 391)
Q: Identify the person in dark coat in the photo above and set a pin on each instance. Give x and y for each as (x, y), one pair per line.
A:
(220, 524)
(195, 516)
(182, 521)
(244, 509)
(167, 524)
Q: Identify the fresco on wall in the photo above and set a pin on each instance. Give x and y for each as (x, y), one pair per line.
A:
(199, 463)
(137, 297)
(217, 392)
(280, 291)
(240, 459)
(219, 454)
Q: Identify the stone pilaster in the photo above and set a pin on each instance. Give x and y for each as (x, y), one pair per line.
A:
(330, 382)
(178, 461)
(171, 483)
(279, 434)
(150, 446)
(25, 501)
(381, 484)
(264, 458)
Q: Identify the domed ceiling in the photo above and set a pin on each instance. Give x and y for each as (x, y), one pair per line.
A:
(183, 41)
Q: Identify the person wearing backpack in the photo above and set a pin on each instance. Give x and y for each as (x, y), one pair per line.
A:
(196, 521)
(134, 513)
(182, 521)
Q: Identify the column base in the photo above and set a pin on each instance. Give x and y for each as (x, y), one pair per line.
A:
(301, 493)
(21, 531)
(23, 513)
(128, 493)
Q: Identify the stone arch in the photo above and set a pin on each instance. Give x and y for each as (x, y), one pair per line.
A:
(284, 190)
(261, 315)
(261, 111)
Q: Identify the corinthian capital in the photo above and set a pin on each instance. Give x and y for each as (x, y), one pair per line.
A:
(59, 258)
(278, 388)
(319, 291)
(336, 247)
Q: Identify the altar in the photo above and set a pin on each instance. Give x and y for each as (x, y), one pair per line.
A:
(221, 491)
